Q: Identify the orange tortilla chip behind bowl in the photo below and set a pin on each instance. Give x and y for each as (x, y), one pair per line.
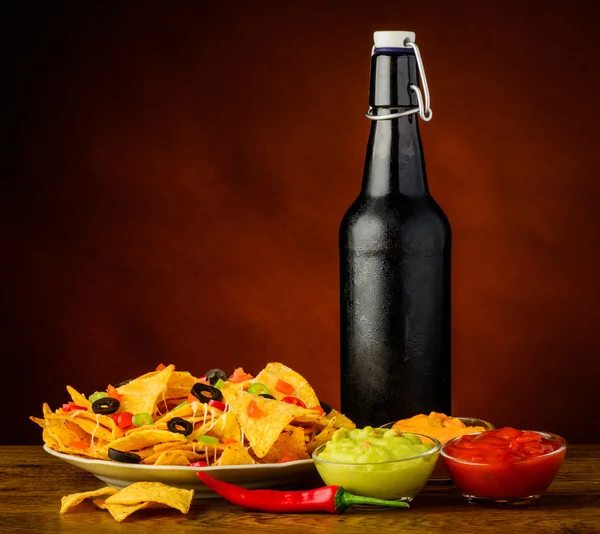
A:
(433, 425)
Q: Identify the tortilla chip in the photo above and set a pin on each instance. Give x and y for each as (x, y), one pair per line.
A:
(172, 458)
(121, 511)
(262, 432)
(192, 452)
(156, 492)
(340, 420)
(88, 423)
(143, 439)
(235, 454)
(145, 428)
(312, 418)
(142, 394)
(78, 398)
(179, 380)
(277, 371)
(289, 443)
(69, 501)
(226, 426)
(321, 437)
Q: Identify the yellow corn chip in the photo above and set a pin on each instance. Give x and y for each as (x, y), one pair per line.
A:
(88, 423)
(340, 420)
(277, 371)
(172, 458)
(321, 437)
(226, 426)
(263, 431)
(69, 501)
(121, 511)
(181, 380)
(155, 492)
(235, 454)
(143, 439)
(289, 443)
(78, 398)
(145, 428)
(142, 394)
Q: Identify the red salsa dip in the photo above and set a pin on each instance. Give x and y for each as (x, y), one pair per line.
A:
(504, 463)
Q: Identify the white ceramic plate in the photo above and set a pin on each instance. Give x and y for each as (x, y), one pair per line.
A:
(119, 475)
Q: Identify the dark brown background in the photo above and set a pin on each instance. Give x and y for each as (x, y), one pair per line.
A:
(177, 175)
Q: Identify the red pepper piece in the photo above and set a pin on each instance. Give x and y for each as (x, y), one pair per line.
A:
(70, 406)
(332, 499)
(217, 404)
(294, 400)
(254, 411)
(283, 387)
(239, 375)
(199, 463)
(111, 391)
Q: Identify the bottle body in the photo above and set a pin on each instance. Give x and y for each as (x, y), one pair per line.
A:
(395, 249)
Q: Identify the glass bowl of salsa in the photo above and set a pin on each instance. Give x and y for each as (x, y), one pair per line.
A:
(504, 466)
(377, 462)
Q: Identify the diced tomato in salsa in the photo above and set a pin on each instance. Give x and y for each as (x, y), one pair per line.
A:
(503, 463)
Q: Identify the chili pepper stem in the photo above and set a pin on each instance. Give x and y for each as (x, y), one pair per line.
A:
(344, 500)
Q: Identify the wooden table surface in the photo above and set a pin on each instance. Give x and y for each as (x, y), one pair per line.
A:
(32, 483)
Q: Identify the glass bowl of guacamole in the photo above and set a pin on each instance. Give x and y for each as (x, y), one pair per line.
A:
(378, 462)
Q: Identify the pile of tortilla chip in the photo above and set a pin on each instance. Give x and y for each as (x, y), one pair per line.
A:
(244, 428)
(137, 496)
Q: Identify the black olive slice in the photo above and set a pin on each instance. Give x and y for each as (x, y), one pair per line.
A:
(106, 405)
(180, 426)
(124, 456)
(214, 375)
(204, 393)
(123, 383)
(326, 407)
(266, 396)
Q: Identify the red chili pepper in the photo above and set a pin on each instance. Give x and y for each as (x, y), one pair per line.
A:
(294, 400)
(332, 499)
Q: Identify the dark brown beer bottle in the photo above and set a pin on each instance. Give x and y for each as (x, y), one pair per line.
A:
(394, 245)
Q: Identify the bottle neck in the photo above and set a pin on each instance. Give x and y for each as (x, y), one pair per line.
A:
(394, 162)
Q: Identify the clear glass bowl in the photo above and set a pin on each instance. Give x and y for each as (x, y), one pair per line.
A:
(393, 480)
(440, 474)
(518, 482)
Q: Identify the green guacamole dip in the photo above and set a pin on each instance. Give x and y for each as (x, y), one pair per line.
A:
(377, 462)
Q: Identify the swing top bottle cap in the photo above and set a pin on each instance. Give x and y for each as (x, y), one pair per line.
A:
(389, 39)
